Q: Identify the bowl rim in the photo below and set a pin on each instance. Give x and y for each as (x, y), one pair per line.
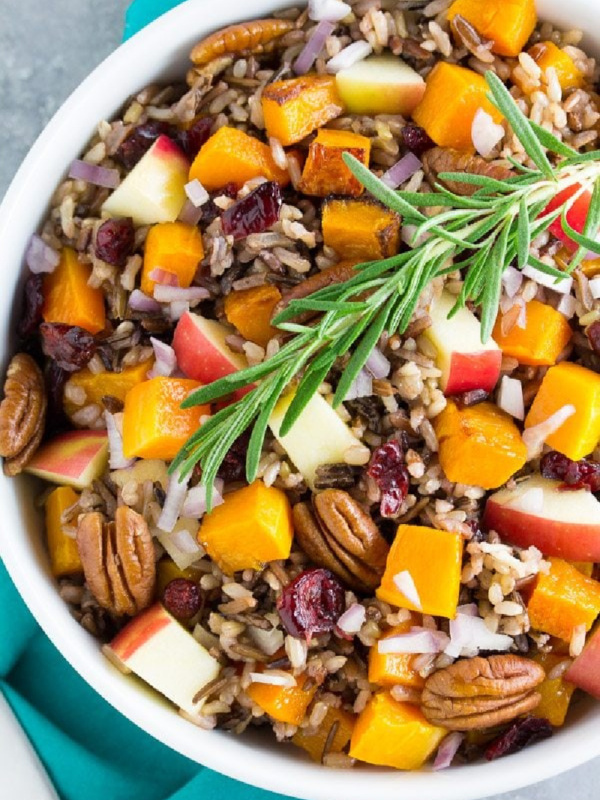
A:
(271, 768)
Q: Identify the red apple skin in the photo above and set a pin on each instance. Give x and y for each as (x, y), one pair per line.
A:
(69, 454)
(571, 541)
(165, 147)
(584, 672)
(470, 371)
(139, 631)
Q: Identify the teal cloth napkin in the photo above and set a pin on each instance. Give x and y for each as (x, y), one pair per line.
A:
(90, 751)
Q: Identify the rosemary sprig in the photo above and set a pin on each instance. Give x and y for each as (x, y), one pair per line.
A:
(478, 235)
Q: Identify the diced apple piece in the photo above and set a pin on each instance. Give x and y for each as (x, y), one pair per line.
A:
(317, 437)
(380, 85)
(154, 190)
(146, 469)
(160, 651)
(536, 512)
(73, 459)
(465, 362)
(584, 672)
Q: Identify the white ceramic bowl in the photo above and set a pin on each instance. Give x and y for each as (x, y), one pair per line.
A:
(158, 53)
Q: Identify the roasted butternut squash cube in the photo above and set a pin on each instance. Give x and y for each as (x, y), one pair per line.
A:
(508, 24)
(97, 385)
(452, 96)
(314, 743)
(556, 692)
(393, 734)
(563, 599)
(154, 424)
(541, 341)
(175, 247)
(547, 54)
(232, 156)
(252, 527)
(325, 172)
(64, 555)
(250, 311)
(167, 571)
(360, 230)
(565, 384)
(296, 107)
(68, 297)
(478, 445)
(433, 559)
(391, 669)
(283, 703)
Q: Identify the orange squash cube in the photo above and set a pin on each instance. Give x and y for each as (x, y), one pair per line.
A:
(541, 341)
(391, 669)
(556, 692)
(565, 384)
(314, 743)
(64, 555)
(434, 560)
(393, 734)
(547, 54)
(283, 703)
(562, 599)
(325, 172)
(360, 230)
(452, 97)
(250, 311)
(167, 571)
(154, 424)
(69, 299)
(509, 24)
(478, 445)
(252, 527)
(232, 156)
(104, 384)
(175, 247)
(296, 107)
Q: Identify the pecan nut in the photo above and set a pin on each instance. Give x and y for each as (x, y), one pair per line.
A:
(445, 159)
(338, 534)
(338, 273)
(477, 693)
(118, 560)
(22, 413)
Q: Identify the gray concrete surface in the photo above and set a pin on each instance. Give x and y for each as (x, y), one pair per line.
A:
(46, 48)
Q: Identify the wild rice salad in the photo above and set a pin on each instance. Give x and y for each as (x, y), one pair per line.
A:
(375, 529)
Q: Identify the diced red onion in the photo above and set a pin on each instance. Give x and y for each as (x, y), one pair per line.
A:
(567, 305)
(469, 635)
(352, 54)
(117, 458)
(185, 542)
(313, 47)
(534, 437)
(332, 10)
(402, 170)
(542, 279)
(417, 641)
(377, 364)
(510, 397)
(92, 173)
(531, 501)
(196, 193)
(196, 501)
(166, 360)
(176, 493)
(485, 133)
(595, 287)
(173, 294)
(138, 301)
(512, 280)
(163, 277)
(40, 257)
(405, 583)
(190, 214)
(361, 386)
(468, 609)
(352, 619)
(273, 680)
(447, 750)
(177, 309)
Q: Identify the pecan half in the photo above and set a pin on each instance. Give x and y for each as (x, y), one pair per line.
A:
(338, 273)
(22, 413)
(118, 560)
(338, 534)
(478, 693)
(444, 159)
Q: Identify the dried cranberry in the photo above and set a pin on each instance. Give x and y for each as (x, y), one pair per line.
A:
(55, 379)
(69, 346)
(33, 300)
(593, 334)
(210, 211)
(192, 139)
(574, 474)
(311, 604)
(139, 141)
(115, 241)
(388, 470)
(233, 466)
(254, 213)
(521, 734)
(416, 140)
(182, 598)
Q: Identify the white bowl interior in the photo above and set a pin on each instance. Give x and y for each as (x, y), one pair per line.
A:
(159, 52)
